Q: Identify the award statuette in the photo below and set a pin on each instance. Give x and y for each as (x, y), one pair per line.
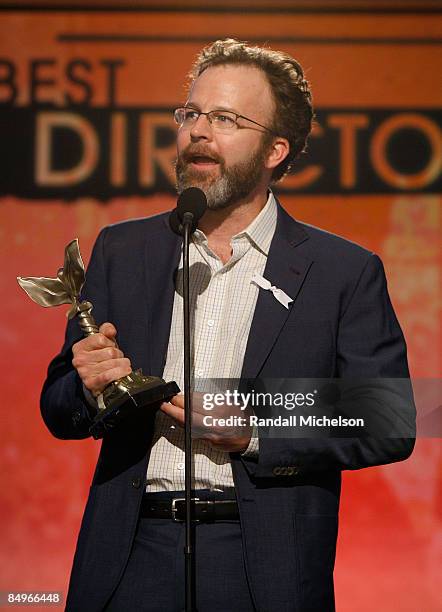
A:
(121, 397)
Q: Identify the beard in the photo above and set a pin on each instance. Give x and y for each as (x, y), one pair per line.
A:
(234, 182)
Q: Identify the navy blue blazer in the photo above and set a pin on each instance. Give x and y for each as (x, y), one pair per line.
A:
(340, 324)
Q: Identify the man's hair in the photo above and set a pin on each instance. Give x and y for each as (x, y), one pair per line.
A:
(291, 92)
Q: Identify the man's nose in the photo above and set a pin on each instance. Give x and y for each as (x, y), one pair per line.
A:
(201, 129)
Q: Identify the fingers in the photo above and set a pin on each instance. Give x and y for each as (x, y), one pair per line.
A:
(235, 444)
(174, 411)
(86, 355)
(178, 400)
(104, 339)
(108, 330)
(222, 439)
(98, 361)
(175, 408)
(225, 438)
(92, 343)
(97, 377)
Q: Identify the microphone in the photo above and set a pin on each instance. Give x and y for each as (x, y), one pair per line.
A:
(191, 206)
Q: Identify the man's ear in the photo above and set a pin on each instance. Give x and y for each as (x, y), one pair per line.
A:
(278, 151)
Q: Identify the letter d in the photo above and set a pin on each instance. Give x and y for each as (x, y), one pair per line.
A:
(44, 174)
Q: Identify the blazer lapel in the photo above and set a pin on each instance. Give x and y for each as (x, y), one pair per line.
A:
(287, 270)
(162, 256)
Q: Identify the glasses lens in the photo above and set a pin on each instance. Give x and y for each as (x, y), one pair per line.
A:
(222, 120)
(179, 115)
(186, 115)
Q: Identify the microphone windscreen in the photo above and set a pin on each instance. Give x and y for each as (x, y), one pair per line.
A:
(192, 200)
(175, 223)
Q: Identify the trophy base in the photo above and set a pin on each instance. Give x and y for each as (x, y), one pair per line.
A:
(127, 395)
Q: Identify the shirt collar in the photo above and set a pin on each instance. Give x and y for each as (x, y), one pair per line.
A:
(259, 232)
(261, 229)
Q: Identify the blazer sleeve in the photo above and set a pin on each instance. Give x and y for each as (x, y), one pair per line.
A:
(64, 407)
(370, 353)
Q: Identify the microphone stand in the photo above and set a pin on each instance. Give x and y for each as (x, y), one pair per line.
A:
(189, 538)
(191, 206)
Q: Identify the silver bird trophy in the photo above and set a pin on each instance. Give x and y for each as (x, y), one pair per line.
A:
(121, 397)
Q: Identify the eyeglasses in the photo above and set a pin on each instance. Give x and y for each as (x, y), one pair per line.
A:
(220, 120)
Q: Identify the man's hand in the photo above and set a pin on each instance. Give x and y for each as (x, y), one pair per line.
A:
(98, 361)
(231, 439)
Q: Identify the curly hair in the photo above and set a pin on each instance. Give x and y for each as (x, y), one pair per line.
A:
(291, 92)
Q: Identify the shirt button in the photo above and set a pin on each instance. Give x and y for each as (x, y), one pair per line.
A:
(180, 466)
(210, 322)
(200, 372)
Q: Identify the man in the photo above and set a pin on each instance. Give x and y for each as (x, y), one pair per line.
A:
(246, 119)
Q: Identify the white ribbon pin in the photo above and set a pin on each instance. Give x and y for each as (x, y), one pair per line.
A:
(279, 294)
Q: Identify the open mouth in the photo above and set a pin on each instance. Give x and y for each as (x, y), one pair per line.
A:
(202, 160)
(199, 159)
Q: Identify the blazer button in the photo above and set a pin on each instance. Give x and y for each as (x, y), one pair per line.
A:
(292, 470)
(136, 483)
(276, 471)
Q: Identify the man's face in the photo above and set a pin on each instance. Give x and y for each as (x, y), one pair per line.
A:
(227, 166)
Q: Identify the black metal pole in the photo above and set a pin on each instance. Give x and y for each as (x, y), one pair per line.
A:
(189, 543)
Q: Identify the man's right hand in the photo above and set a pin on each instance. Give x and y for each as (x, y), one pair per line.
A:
(98, 361)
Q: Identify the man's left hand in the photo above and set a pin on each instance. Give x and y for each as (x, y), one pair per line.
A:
(231, 439)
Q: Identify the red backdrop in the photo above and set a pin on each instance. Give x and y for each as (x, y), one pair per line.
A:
(373, 75)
